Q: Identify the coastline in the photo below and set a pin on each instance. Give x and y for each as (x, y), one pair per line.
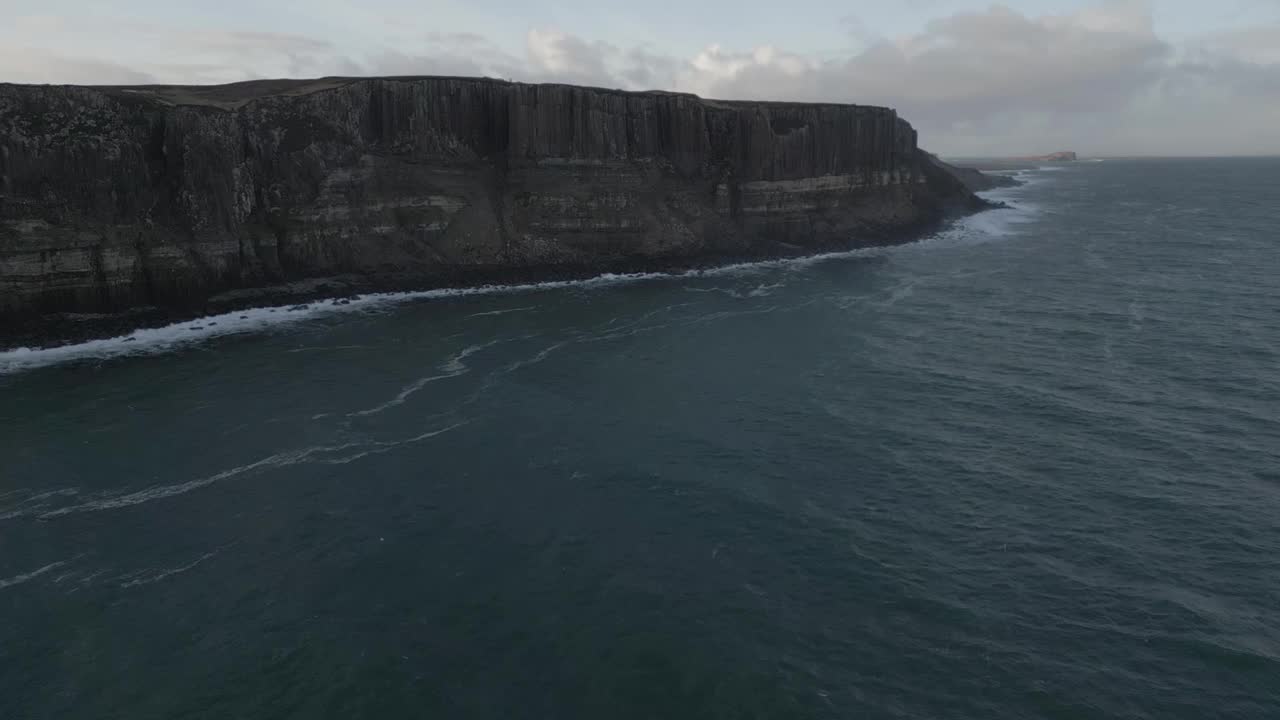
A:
(54, 330)
(179, 198)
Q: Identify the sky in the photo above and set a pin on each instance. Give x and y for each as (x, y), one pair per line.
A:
(1101, 77)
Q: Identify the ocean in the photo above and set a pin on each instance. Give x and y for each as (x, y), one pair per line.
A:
(1028, 467)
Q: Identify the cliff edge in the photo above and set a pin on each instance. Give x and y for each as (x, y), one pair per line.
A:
(119, 197)
(972, 178)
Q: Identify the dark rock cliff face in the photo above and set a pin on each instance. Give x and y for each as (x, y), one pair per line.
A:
(120, 197)
(973, 179)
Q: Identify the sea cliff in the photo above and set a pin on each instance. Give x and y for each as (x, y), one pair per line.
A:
(120, 197)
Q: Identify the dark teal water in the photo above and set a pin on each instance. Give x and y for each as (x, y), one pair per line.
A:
(1029, 468)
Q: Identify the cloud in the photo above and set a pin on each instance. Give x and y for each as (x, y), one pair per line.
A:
(554, 56)
(36, 65)
(463, 54)
(646, 70)
(568, 58)
(964, 67)
(1098, 80)
(142, 52)
(1002, 82)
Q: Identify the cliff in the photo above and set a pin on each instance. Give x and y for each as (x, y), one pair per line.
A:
(972, 178)
(119, 197)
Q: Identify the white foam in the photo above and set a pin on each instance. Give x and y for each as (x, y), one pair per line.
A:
(762, 289)
(159, 492)
(157, 577)
(451, 368)
(534, 360)
(151, 341)
(455, 364)
(900, 291)
(330, 348)
(322, 454)
(503, 312)
(405, 393)
(35, 503)
(378, 448)
(19, 579)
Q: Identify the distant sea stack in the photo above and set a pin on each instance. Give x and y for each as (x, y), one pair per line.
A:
(120, 197)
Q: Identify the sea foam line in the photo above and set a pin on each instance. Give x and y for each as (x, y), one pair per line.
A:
(137, 580)
(503, 312)
(153, 341)
(322, 454)
(19, 579)
(451, 368)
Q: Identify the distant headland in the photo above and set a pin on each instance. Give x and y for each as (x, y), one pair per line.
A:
(1060, 156)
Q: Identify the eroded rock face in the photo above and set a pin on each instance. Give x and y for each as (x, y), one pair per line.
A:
(973, 179)
(118, 197)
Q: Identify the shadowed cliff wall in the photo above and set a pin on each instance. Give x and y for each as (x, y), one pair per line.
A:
(115, 197)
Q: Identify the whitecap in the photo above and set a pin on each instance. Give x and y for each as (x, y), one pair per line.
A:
(153, 341)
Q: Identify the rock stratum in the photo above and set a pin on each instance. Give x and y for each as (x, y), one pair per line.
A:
(120, 197)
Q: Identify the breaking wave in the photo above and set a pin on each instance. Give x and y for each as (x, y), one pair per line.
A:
(152, 341)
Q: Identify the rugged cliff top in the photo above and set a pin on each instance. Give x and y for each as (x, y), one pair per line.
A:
(235, 95)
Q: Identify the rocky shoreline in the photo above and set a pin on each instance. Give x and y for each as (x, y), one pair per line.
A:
(123, 206)
(66, 328)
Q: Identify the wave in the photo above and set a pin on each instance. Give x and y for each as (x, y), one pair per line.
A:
(159, 492)
(320, 454)
(454, 364)
(139, 579)
(503, 312)
(535, 359)
(451, 368)
(405, 394)
(154, 341)
(33, 502)
(19, 579)
(761, 290)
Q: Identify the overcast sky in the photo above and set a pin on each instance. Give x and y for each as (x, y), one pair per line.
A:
(1118, 77)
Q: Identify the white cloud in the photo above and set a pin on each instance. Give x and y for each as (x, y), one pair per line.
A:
(37, 65)
(1099, 80)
